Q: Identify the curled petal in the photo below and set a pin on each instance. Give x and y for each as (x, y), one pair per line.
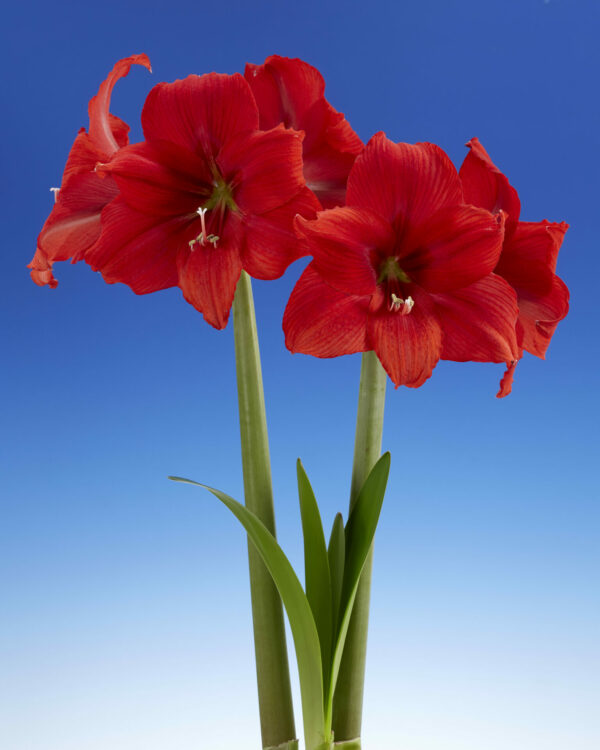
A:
(107, 132)
(507, 379)
(323, 321)
(484, 185)
(408, 346)
(200, 113)
(41, 270)
(455, 248)
(341, 241)
(404, 183)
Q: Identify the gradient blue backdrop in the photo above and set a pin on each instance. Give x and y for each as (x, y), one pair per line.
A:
(125, 610)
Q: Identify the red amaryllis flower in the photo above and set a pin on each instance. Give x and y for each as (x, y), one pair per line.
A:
(528, 259)
(206, 195)
(404, 269)
(292, 92)
(74, 222)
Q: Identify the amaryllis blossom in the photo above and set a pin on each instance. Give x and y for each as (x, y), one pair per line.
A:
(206, 195)
(292, 92)
(405, 270)
(74, 222)
(528, 259)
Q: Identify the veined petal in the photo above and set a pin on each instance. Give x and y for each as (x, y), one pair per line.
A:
(138, 249)
(74, 222)
(200, 113)
(322, 321)
(271, 244)
(264, 168)
(160, 178)
(292, 92)
(103, 130)
(404, 183)
(527, 262)
(479, 322)
(455, 248)
(208, 276)
(285, 90)
(534, 241)
(539, 316)
(484, 185)
(408, 346)
(341, 241)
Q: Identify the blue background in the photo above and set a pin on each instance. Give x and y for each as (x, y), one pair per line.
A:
(125, 600)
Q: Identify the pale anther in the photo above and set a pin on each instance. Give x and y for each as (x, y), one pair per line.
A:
(55, 191)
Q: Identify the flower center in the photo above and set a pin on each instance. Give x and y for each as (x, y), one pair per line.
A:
(390, 270)
(220, 201)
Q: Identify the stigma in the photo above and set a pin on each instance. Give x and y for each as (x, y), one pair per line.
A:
(403, 306)
(203, 237)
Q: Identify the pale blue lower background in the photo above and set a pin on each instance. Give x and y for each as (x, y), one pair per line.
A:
(125, 609)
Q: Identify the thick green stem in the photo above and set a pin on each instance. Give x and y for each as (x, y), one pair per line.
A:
(272, 670)
(348, 699)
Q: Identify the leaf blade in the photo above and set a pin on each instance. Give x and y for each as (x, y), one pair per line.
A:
(316, 567)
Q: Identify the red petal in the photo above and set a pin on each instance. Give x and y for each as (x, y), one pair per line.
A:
(137, 249)
(479, 322)
(528, 261)
(160, 178)
(408, 346)
(285, 90)
(507, 380)
(455, 248)
(404, 183)
(322, 321)
(41, 270)
(74, 223)
(484, 185)
(107, 133)
(271, 245)
(200, 113)
(292, 92)
(264, 168)
(208, 276)
(341, 241)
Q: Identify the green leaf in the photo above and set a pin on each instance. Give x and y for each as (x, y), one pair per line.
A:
(304, 631)
(336, 553)
(360, 531)
(316, 568)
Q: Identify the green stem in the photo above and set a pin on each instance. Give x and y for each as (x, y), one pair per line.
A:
(348, 699)
(272, 671)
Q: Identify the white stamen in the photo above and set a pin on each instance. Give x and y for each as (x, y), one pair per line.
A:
(55, 191)
(403, 306)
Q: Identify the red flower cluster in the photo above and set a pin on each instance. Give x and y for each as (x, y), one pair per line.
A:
(411, 259)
